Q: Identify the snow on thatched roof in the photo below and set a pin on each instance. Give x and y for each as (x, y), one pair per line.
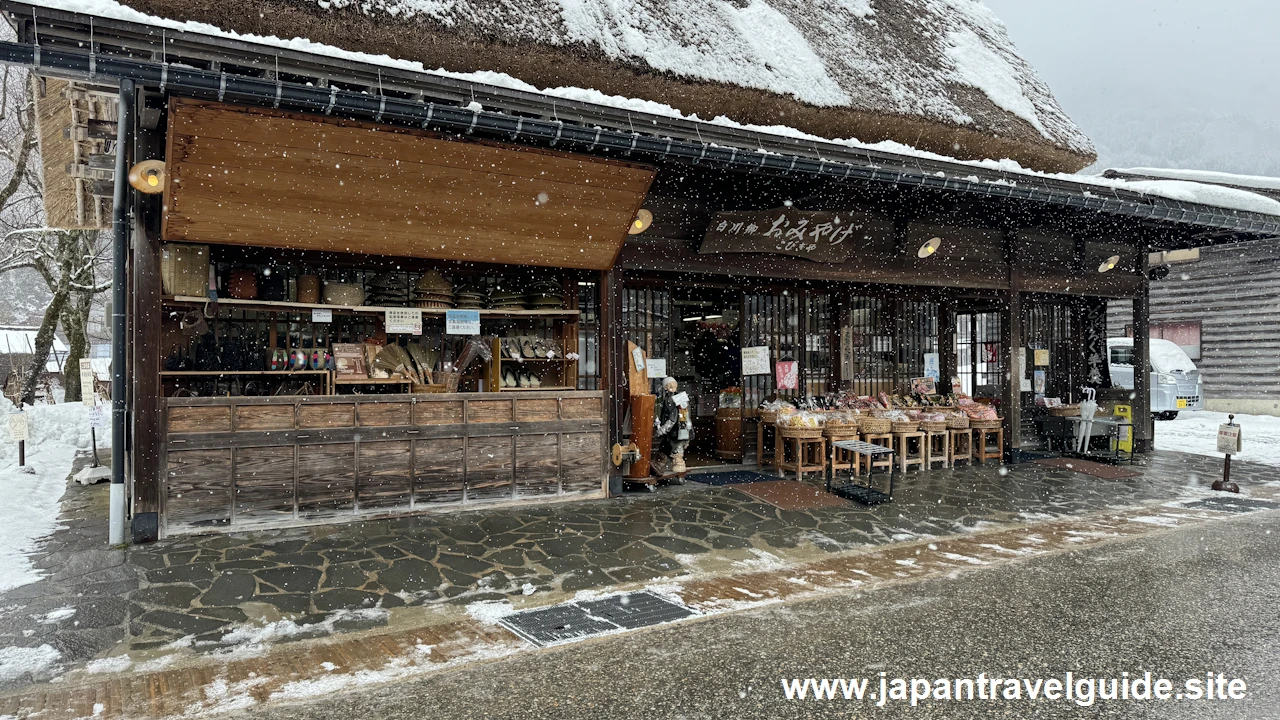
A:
(939, 75)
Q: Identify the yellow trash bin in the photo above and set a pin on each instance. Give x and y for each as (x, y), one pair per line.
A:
(1125, 432)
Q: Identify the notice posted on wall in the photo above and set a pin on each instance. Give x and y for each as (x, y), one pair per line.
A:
(755, 360)
(404, 321)
(462, 322)
(657, 368)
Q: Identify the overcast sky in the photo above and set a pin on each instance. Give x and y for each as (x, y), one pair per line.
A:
(1185, 83)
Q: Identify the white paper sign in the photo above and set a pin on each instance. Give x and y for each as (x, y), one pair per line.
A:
(404, 321)
(931, 368)
(755, 361)
(321, 315)
(97, 418)
(86, 381)
(657, 368)
(637, 359)
(462, 322)
(1229, 440)
(18, 426)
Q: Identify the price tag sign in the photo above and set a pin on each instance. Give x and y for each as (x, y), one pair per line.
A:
(1229, 441)
(404, 321)
(86, 381)
(657, 368)
(755, 360)
(18, 429)
(97, 418)
(321, 315)
(462, 322)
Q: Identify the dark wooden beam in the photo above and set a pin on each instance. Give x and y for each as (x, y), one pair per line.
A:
(1143, 422)
(1011, 340)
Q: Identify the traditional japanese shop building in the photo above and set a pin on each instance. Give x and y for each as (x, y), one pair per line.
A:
(342, 211)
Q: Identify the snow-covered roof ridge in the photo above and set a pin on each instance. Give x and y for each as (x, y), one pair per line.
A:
(941, 75)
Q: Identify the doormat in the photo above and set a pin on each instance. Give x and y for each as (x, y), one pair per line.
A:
(792, 495)
(731, 477)
(580, 620)
(1089, 467)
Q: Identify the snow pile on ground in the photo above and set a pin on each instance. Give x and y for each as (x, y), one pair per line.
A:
(18, 661)
(30, 508)
(1197, 432)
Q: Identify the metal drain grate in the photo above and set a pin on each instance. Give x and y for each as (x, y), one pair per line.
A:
(580, 620)
(1231, 504)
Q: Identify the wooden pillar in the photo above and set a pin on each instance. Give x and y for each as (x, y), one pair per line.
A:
(612, 363)
(1143, 423)
(1011, 342)
(946, 344)
(144, 320)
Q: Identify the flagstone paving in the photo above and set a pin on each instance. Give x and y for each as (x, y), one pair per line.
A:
(208, 596)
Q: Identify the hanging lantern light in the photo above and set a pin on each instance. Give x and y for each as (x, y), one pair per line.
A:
(642, 221)
(1109, 264)
(929, 248)
(148, 177)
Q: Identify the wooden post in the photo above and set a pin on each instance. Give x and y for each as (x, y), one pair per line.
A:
(22, 453)
(1143, 422)
(1011, 339)
(946, 344)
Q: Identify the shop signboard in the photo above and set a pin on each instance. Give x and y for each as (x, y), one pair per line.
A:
(657, 368)
(788, 376)
(755, 360)
(405, 321)
(820, 236)
(460, 322)
(97, 418)
(86, 381)
(931, 369)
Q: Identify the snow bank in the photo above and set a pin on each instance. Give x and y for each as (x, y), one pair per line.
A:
(1197, 432)
(30, 508)
(18, 661)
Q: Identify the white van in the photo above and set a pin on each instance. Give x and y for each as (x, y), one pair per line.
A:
(1175, 382)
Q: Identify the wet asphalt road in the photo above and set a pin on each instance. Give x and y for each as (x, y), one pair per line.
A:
(1176, 603)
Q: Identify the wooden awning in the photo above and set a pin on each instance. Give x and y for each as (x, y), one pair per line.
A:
(244, 176)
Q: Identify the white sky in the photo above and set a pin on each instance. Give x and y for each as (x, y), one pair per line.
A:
(1187, 83)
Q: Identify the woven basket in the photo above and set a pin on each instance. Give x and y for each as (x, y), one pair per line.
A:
(958, 422)
(448, 379)
(841, 431)
(873, 425)
(769, 416)
(842, 425)
(985, 424)
(1065, 411)
(803, 433)
(343, 294)
(904, 426)
(933, 425)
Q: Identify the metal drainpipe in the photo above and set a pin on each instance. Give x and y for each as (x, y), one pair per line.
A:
(120, 243)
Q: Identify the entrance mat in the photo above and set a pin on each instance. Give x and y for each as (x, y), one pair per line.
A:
(731, 477)
(1089, 467)
(1230, 503)
(792, 495)
(572, 621)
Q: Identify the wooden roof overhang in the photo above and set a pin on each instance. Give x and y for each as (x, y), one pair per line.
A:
(59, 43)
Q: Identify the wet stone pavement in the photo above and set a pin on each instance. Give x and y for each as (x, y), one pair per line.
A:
(212, 591)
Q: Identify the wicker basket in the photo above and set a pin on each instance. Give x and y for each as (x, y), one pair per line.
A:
(803, 433)
(904, 426)
(841, 431)
(769, 416)
(448, 379)
(874, 425)
(1065, 411)
(933, 426)
(958, 421)
(985, 424)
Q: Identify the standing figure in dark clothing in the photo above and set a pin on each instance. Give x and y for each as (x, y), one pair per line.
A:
(673, 428)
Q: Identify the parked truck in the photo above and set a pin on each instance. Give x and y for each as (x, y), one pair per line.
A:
(1176, 384)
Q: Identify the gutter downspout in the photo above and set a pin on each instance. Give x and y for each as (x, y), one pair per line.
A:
(120, 256)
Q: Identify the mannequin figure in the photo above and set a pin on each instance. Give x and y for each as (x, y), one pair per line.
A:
(673, 428)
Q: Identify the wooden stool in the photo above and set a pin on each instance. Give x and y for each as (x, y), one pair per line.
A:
(886, 440)
(980, 449)
(902, 441)
(810, 455)
(961, 446)
(844, 459)
(763, 459)
(938, 443)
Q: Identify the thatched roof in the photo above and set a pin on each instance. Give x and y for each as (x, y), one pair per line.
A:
(938, 75)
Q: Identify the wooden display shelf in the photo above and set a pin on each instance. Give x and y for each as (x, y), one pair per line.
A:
(323, 375)
(270, 305)
(520, 361)
(371, 381)
(545, 388)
